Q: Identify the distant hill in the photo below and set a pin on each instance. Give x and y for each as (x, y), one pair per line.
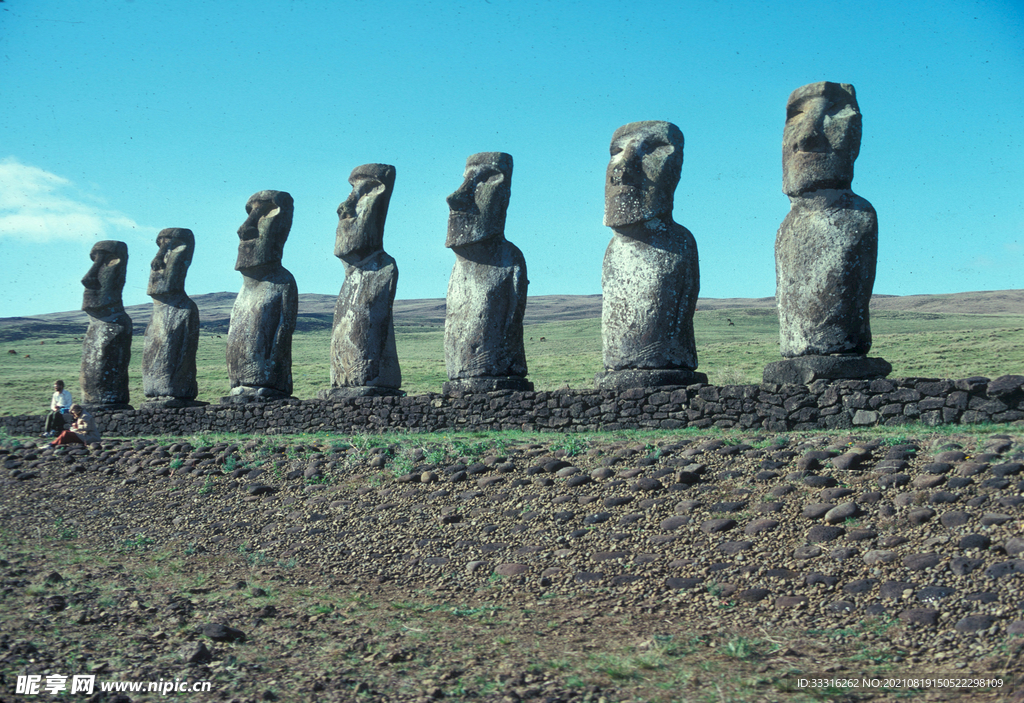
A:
(317, 311)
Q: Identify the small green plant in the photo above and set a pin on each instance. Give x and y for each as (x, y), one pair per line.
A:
(138, 543)
(176, 464)
(739, 648)
(572, 445)
(715, 588)
(207, 485)
(64, 532)
(252, 558)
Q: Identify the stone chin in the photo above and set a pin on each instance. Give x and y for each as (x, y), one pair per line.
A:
(627, 205)
(253, 253)
(353, 237)
(805, 172)
(465, 229)
(99, 301)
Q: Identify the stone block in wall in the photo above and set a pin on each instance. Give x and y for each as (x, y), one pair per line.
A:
(804, 415)
(903, 395)
(932, 418)
(912, 410)
(987, 406)
(891, 409)
(660, 398)
(928, 404)
(882, 385)
(799, 401)
(865, 417)
(828, 396)
(958, 400)
(894, 420)
(725, 424)
(671, 424)
(1006, 387)
(709, 393)
(934, 389)
(1009, 416)
(838, 421)
(679, 396)
(856, 400)
(973, 384)
(972, 417)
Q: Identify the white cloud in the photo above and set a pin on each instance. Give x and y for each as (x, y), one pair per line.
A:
(37, 206)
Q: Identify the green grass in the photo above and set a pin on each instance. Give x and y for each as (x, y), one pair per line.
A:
(916, 344)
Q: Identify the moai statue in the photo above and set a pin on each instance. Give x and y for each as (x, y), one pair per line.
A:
(364, 360)
(826, 248)
(107, 347)
(483, 326)
(172, 337)
(650, 278)
(259, 352)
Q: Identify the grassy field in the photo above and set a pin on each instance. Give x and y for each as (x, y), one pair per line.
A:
(560, 354)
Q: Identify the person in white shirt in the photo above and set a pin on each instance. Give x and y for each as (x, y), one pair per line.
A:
(60, 405)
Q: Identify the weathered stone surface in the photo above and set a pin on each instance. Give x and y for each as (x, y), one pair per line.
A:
(364, 359)
(172, 336)
(805, 369)
(650, 278)
(107, 348)
(826, 248)
(483, 327)
(259, 349)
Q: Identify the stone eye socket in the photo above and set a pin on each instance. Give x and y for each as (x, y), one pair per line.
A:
(616, 150)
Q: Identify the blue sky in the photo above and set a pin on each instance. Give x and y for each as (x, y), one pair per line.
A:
(125, 117)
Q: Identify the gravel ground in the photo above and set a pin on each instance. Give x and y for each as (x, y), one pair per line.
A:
(810, 533)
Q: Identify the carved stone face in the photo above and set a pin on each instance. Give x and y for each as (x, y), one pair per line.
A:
(821, 139)
(479, 206)
(169, 266)
(361, 217)
(265, 230)
(640, 184)
(105, 279)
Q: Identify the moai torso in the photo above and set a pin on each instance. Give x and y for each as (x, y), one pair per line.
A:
(650, 291)
(825, 256)
(483, 327)
(259, 350)
(169, 355)
(363, 351)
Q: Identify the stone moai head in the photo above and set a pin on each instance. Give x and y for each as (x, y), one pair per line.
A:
(169, 266)
(479, 206)
(361, 217)
(821, 139)
(640, 184)
(105, 279)
(265, 230)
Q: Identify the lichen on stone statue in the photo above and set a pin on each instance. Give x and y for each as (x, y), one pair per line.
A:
(651, 277)
(827, 246)
(107, 347)
(259, 349)
(483, 329)
(364, 358)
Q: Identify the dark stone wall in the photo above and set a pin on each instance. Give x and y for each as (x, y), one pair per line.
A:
(821, 405)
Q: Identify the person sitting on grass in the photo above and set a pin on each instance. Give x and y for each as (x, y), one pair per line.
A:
(83, 430)
(60, 404)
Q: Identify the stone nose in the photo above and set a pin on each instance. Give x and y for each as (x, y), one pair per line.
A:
(811, 135)
(92, 278)
(462, 199)
(627, 169)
